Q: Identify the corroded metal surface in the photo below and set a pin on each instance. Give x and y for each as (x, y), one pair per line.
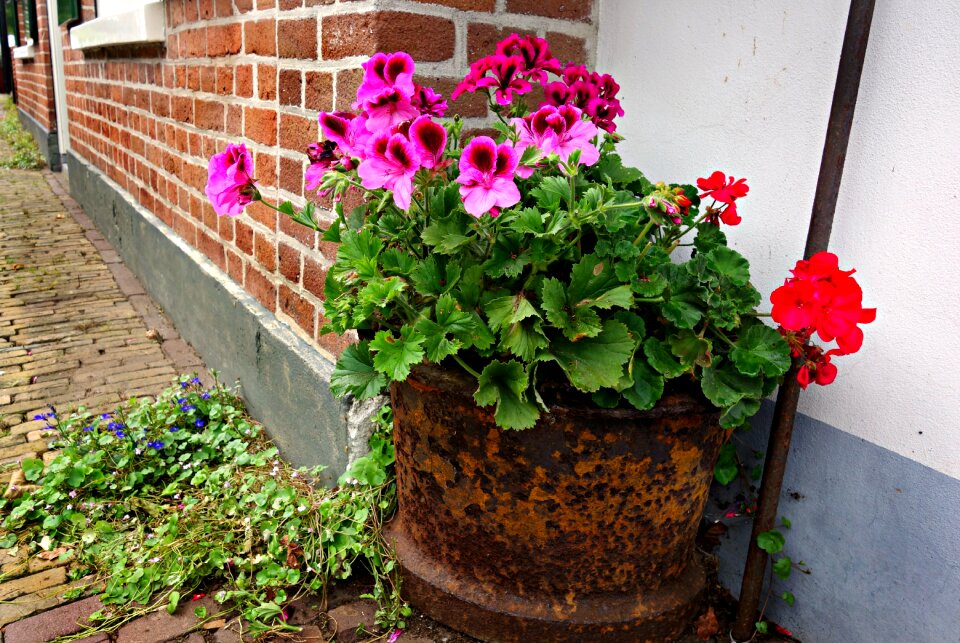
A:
(579, 529)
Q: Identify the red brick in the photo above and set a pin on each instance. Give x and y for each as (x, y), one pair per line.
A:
(260, 125)
(224, 40)
(261, 37)
(235, 266)
(465, 5)
(301, 233)
(466, 105)
(298, 308)
(296, 132)
(291, 175)
(213, 248)
(209, 115)
(426, 38)
(314, 275)
(318, 93)
(567, 48)
(224, 81)
(348, 81)
(244, 80)
(482, 39)
(290, 263)
(267, 82)
(244, 237)
(564, 9)
(290, 86)
(265, 250)
(262, 289)
(62, 621)
(332, 342)
(298, 38)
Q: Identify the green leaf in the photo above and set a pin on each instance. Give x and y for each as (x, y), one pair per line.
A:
(511, 309)
(508, 258)
(355, 373)
(737, 415)
(75, 477)
(593, 283)
(446, 237)
(32, 468)
(727, 466)
(528, 221)
(595, 362)
(576, 322)
(8, 540)
(690, 348)
(358, 254)
(786, 522)
(200, 612)
(397, 262)
(647, 387)
(771, 541)
(524, 339)
(449, 321)
(553, 191)
(662, 359)
(730, 264)
(612, 167)
(788, 598)
(505, 384)
(172, 601)
(709, 236)
(761, 349)
(782, 567)
(432, 277)
(762, 627)
(634, 324)
(395, 355)
(725, 386)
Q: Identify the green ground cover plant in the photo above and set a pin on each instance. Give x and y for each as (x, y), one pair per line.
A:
(165, 499)
(23, 154)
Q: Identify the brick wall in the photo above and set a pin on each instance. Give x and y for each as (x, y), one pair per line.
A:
(33, 77)
(261, 71)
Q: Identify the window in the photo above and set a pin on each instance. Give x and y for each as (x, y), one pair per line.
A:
(29, 9)
(13, 28)
(68, 11)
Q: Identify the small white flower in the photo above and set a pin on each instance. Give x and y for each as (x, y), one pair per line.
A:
(69, 507)
(301, 508)
(126, 516)
(73, 493)
(155, 559)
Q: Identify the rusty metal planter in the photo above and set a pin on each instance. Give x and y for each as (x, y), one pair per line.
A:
(580, 529)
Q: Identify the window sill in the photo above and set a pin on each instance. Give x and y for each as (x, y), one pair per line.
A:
(141, 25)
(25, 52)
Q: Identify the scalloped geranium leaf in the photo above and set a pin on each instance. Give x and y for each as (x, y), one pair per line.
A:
(690, 348)
(434, 276)
(397, 262)
(528, 221)
(355, 374)
(661, 358)
(634, 324)
(737, 415)
(647, 386)
(504, 384)
(449, 321)
(553, 191)
(612, 167)
(395, 355)
(446, 236)
(508, 258)
(724, 385)
(729, 263)
(576, 322)
(511, 309)
(358, 254)
(595, 362)
(524, 339)
(761, 349)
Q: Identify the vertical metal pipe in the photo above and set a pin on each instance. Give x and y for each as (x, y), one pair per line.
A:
(818, 238)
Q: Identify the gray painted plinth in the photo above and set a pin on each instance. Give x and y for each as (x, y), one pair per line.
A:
(48, 142)
(284, 380)
(879, 532)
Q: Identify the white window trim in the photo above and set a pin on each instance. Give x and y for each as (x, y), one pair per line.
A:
(143, 24)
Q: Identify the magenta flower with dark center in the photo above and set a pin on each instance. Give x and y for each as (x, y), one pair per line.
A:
(230, 183)
(428, 101)
(347, 130)
(430, 140)
(506, 79)
(386, 71)
(560, 131)
(486, 176)
(389, 108)
(391, 163)
(535, 53)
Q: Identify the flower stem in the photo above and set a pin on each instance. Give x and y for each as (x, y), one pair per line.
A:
(643, 233)
(466, 366)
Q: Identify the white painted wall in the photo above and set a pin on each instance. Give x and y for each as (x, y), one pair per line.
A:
(746, 87)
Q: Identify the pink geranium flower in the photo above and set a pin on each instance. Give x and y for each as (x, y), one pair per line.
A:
(230, 184)
(535, 52)
(503, 74)
(486, 176)
(386, 71)
(391, 162)
(560, 131)
(430, 140)
(389, 108)
(428, 101)
(347, 130)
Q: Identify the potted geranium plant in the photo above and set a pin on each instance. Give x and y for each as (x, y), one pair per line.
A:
(562, 381)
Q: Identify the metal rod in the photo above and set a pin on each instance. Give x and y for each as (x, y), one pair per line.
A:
(818, 238)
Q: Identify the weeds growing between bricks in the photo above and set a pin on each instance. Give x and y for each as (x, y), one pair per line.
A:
(164, 500)
(24, 152)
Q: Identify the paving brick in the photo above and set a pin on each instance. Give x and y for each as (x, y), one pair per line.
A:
(62, 621)
(33, 583)
(159, 626)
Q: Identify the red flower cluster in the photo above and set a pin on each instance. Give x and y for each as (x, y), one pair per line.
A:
(820, 298)
(595, 94)
(722, 190)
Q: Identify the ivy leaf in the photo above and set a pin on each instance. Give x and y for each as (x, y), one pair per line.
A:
(725, 386)
(662, 359)
(647, 387)
(737, 415)
(394, 356)
(771, 541)
(761, 349)
(595, 362)
(730, 264)
(727, 467)
(504, 384)
(358, 254)
(553, 191)
(446, 236)
(782, 568)
(355, 374)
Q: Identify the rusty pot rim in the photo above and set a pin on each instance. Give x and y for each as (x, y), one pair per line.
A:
(456, 381)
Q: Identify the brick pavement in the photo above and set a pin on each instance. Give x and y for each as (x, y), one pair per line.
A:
(75, 328)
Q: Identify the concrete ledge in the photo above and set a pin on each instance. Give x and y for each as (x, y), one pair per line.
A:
(284, 380)
(46, 141)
